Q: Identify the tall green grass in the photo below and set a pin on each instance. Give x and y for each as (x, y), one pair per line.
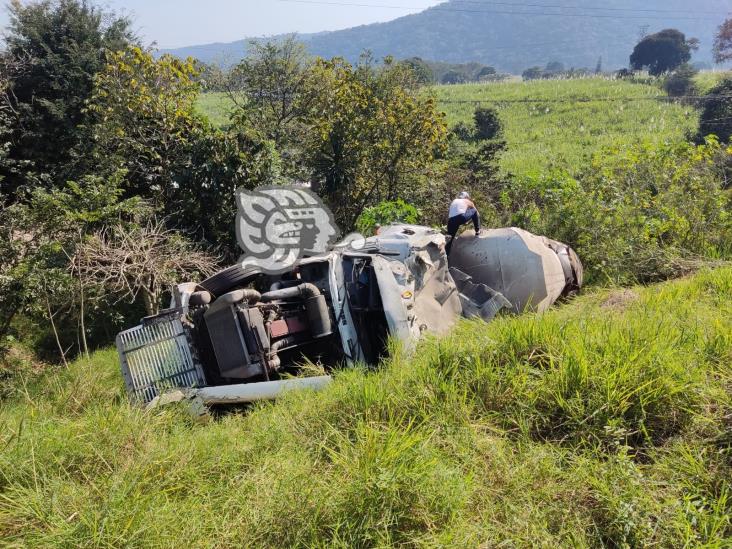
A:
(569, 120)
(607, 422)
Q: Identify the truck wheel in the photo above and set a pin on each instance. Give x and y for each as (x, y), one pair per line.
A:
(229, 279)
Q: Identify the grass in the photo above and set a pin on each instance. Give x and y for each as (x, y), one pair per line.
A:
(569, 120)
(606, 422)
(216, 106)
(706, 80)
(566, 122)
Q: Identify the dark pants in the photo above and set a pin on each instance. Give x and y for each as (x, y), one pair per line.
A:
(454, 224)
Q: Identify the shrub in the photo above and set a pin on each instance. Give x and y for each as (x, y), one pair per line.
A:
(639, 213)
(385, 213)
(716, 117)
(533, 73)
(681, 81)
(487, 123)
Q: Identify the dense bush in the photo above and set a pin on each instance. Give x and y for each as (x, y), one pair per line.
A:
(37, 275)
(639, 213)
(487, 123)
(384, 214)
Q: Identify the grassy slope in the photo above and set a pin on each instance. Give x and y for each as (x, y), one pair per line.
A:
(542, 135)
(602, 422)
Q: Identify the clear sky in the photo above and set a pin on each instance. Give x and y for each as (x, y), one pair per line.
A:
(174, 23)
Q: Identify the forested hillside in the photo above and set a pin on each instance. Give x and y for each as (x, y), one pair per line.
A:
(510, 37)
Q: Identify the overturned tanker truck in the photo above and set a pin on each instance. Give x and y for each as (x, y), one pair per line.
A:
(243, 335)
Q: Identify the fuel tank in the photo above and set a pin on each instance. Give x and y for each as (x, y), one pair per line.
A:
(531, 272)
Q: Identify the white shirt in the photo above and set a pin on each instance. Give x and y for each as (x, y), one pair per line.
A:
(459, 206)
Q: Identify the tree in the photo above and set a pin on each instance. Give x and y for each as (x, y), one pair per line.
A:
(149, 127)
(487, 73)
(487, 123)
(554, 68)
(533, 73)
(422, 71)
(147, 119)
(723, 43)
(56, 48)
(662, 52)
(8, 67)
(371, 133)
(453, 77)
(716, 117)
(272, 90)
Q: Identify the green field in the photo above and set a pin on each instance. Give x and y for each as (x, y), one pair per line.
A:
(563, 123)
(216, 106)
(566, 121)
(605, 423)
(705, 81)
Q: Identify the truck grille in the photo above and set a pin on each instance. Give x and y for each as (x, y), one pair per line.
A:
(157, 357)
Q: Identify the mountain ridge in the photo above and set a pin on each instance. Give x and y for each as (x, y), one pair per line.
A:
(458, 31)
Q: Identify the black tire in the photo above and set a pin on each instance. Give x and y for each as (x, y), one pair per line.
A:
(229, 279)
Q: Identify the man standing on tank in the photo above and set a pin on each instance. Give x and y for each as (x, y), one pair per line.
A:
(462, 211)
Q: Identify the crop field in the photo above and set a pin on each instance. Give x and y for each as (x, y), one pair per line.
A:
(216, 106)
(605, 423)
(561, 123)
(554, 123)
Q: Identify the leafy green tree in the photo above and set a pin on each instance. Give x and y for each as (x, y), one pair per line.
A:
(662, 52)
(147, 119)
(486, 73)
(371, 132)
(220, 162)
(189, 170)
(422, 71)
(55, 47)
(272, 89)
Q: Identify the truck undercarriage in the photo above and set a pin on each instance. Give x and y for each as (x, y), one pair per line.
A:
(244, 335)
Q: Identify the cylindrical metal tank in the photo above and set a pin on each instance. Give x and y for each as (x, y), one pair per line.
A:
(519, 265)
